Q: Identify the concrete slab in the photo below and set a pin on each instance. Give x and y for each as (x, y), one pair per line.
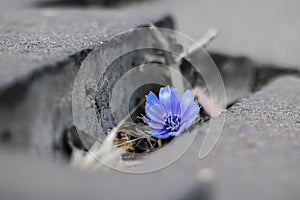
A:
(257, 154)
(267, 30)
(40, 53)
(256, 158)
(33, 40)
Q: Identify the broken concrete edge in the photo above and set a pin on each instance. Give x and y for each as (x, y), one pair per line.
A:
(36, 109)
(9, 91)
(12, 93)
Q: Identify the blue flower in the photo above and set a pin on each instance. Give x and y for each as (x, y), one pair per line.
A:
(169, 115)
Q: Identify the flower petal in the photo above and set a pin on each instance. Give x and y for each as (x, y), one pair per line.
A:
(154, 124)
(157, 131)
(161, 134)
(165, 98)
(175, 102)
(178, 132)
(151, 100)
(156, 113)
(186, 99)
(170, 100)
(190, 114)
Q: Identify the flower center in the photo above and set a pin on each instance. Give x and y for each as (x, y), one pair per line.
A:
(172, 122)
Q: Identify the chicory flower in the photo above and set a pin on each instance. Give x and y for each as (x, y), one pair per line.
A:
(169, 115)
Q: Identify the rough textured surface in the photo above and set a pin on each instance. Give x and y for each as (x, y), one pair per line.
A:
(266, 30)
(257, 155)
(33, 40)
(252, 160)
(40, 53)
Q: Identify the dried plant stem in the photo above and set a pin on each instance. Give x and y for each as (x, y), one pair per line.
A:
(106, 152)
(175, 75)
(203, 42)
(127, 142)
(211, 108)
(128, 115)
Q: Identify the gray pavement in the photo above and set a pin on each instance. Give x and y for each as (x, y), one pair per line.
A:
(266, 30)
(41, 49)
(257, 155)
(32, 40)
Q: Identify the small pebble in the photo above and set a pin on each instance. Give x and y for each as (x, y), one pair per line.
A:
(206, 175)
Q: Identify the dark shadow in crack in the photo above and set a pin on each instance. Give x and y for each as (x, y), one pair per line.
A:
(264, 73)
(243, 76)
